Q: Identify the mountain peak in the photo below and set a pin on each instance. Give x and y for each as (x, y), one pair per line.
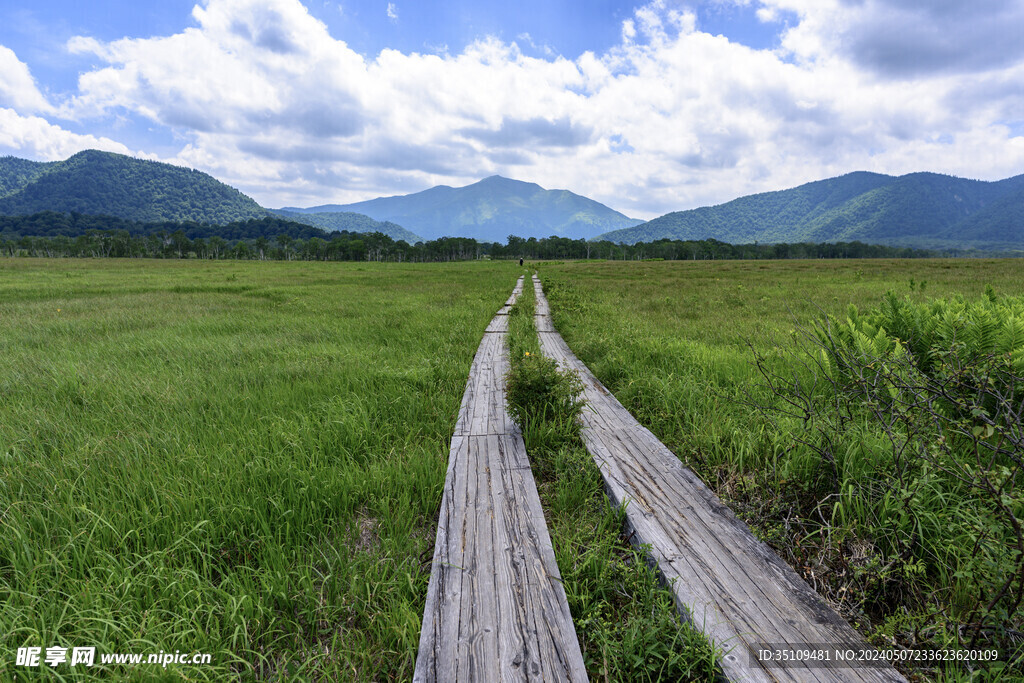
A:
(493, 208)
(499, 181)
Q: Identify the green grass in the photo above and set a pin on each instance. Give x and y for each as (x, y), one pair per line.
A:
(626, 622)
(246, 458)
(240, 459)
(675, 342)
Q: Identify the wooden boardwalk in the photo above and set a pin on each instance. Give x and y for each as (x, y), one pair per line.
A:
(729, 584)
(496, 610)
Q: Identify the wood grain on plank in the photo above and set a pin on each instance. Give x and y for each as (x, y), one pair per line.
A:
(496, 609)
(729, 584)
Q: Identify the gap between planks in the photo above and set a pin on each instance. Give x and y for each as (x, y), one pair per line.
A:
(496, 609)
(725, 581)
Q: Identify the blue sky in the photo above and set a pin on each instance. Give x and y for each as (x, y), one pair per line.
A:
(645, 106)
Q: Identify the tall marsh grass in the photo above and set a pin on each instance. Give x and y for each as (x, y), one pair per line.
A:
(241, 459)
(680, 345)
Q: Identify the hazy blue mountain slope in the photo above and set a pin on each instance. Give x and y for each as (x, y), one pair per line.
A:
(347, 220)
(491, 210)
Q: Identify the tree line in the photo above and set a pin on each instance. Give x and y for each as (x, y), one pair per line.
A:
(54, 234)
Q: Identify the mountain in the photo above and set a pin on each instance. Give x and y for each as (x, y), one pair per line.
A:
(490, 211)
(919, 209)
(16, 173)
(93, 182)
(347, 220)
(98, 183)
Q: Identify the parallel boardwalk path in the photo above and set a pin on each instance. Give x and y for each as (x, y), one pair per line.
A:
(496, 610)
(732, 586)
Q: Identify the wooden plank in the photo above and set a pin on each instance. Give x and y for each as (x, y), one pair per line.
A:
(498, 324)
(543, 323)
(486, 647)
(512, 641)
(559, 645)
(439, 633)
(726, 581)
(465, 667)
(496, 609)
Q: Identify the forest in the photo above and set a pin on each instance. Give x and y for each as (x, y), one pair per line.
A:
(95, 182)
(55, 234)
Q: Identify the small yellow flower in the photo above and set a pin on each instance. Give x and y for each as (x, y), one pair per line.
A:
(527, 353)
(58, 310)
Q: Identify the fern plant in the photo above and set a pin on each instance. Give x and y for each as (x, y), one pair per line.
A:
(989, 331)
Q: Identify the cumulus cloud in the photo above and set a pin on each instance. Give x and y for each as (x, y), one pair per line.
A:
(39, 139)
(17, 87)
(669, 118)
(536, 132)
(907, 38)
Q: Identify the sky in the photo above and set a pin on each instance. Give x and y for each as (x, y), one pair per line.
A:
(647, 107)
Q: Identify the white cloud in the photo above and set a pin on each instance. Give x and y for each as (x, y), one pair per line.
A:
(392, 12)
(39, 139)
(670, 118)
(904, 38)
(628, 31)
(17, 87)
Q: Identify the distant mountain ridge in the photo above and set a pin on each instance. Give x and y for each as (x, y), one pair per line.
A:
(99, 183)
(925, 210)
(490, 210)
(348, 220)
(94, 182)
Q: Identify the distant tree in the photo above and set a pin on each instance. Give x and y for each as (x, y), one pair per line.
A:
(285, 241)
(261, 246)
(180, 243)
(217, 246)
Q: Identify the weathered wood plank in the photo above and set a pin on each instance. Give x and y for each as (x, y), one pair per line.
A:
(512, 641)
(498, 324)
(726, 581)
(496, 609)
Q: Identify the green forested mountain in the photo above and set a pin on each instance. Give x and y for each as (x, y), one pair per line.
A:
(101, 183)
(919, 209)
(490, 211)
(16, 173)
(94, 183)
(1002, 221)
(352, 222)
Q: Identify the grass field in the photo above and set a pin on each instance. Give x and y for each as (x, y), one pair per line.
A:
(246, 459)
(239, 459)
(676, 342)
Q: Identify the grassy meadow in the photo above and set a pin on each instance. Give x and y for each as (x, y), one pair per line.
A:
(243, 459)
(912, 567)
(246, 459)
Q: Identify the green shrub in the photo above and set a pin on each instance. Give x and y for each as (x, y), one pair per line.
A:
(991, 327)
(537, 390)
(912, 413)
